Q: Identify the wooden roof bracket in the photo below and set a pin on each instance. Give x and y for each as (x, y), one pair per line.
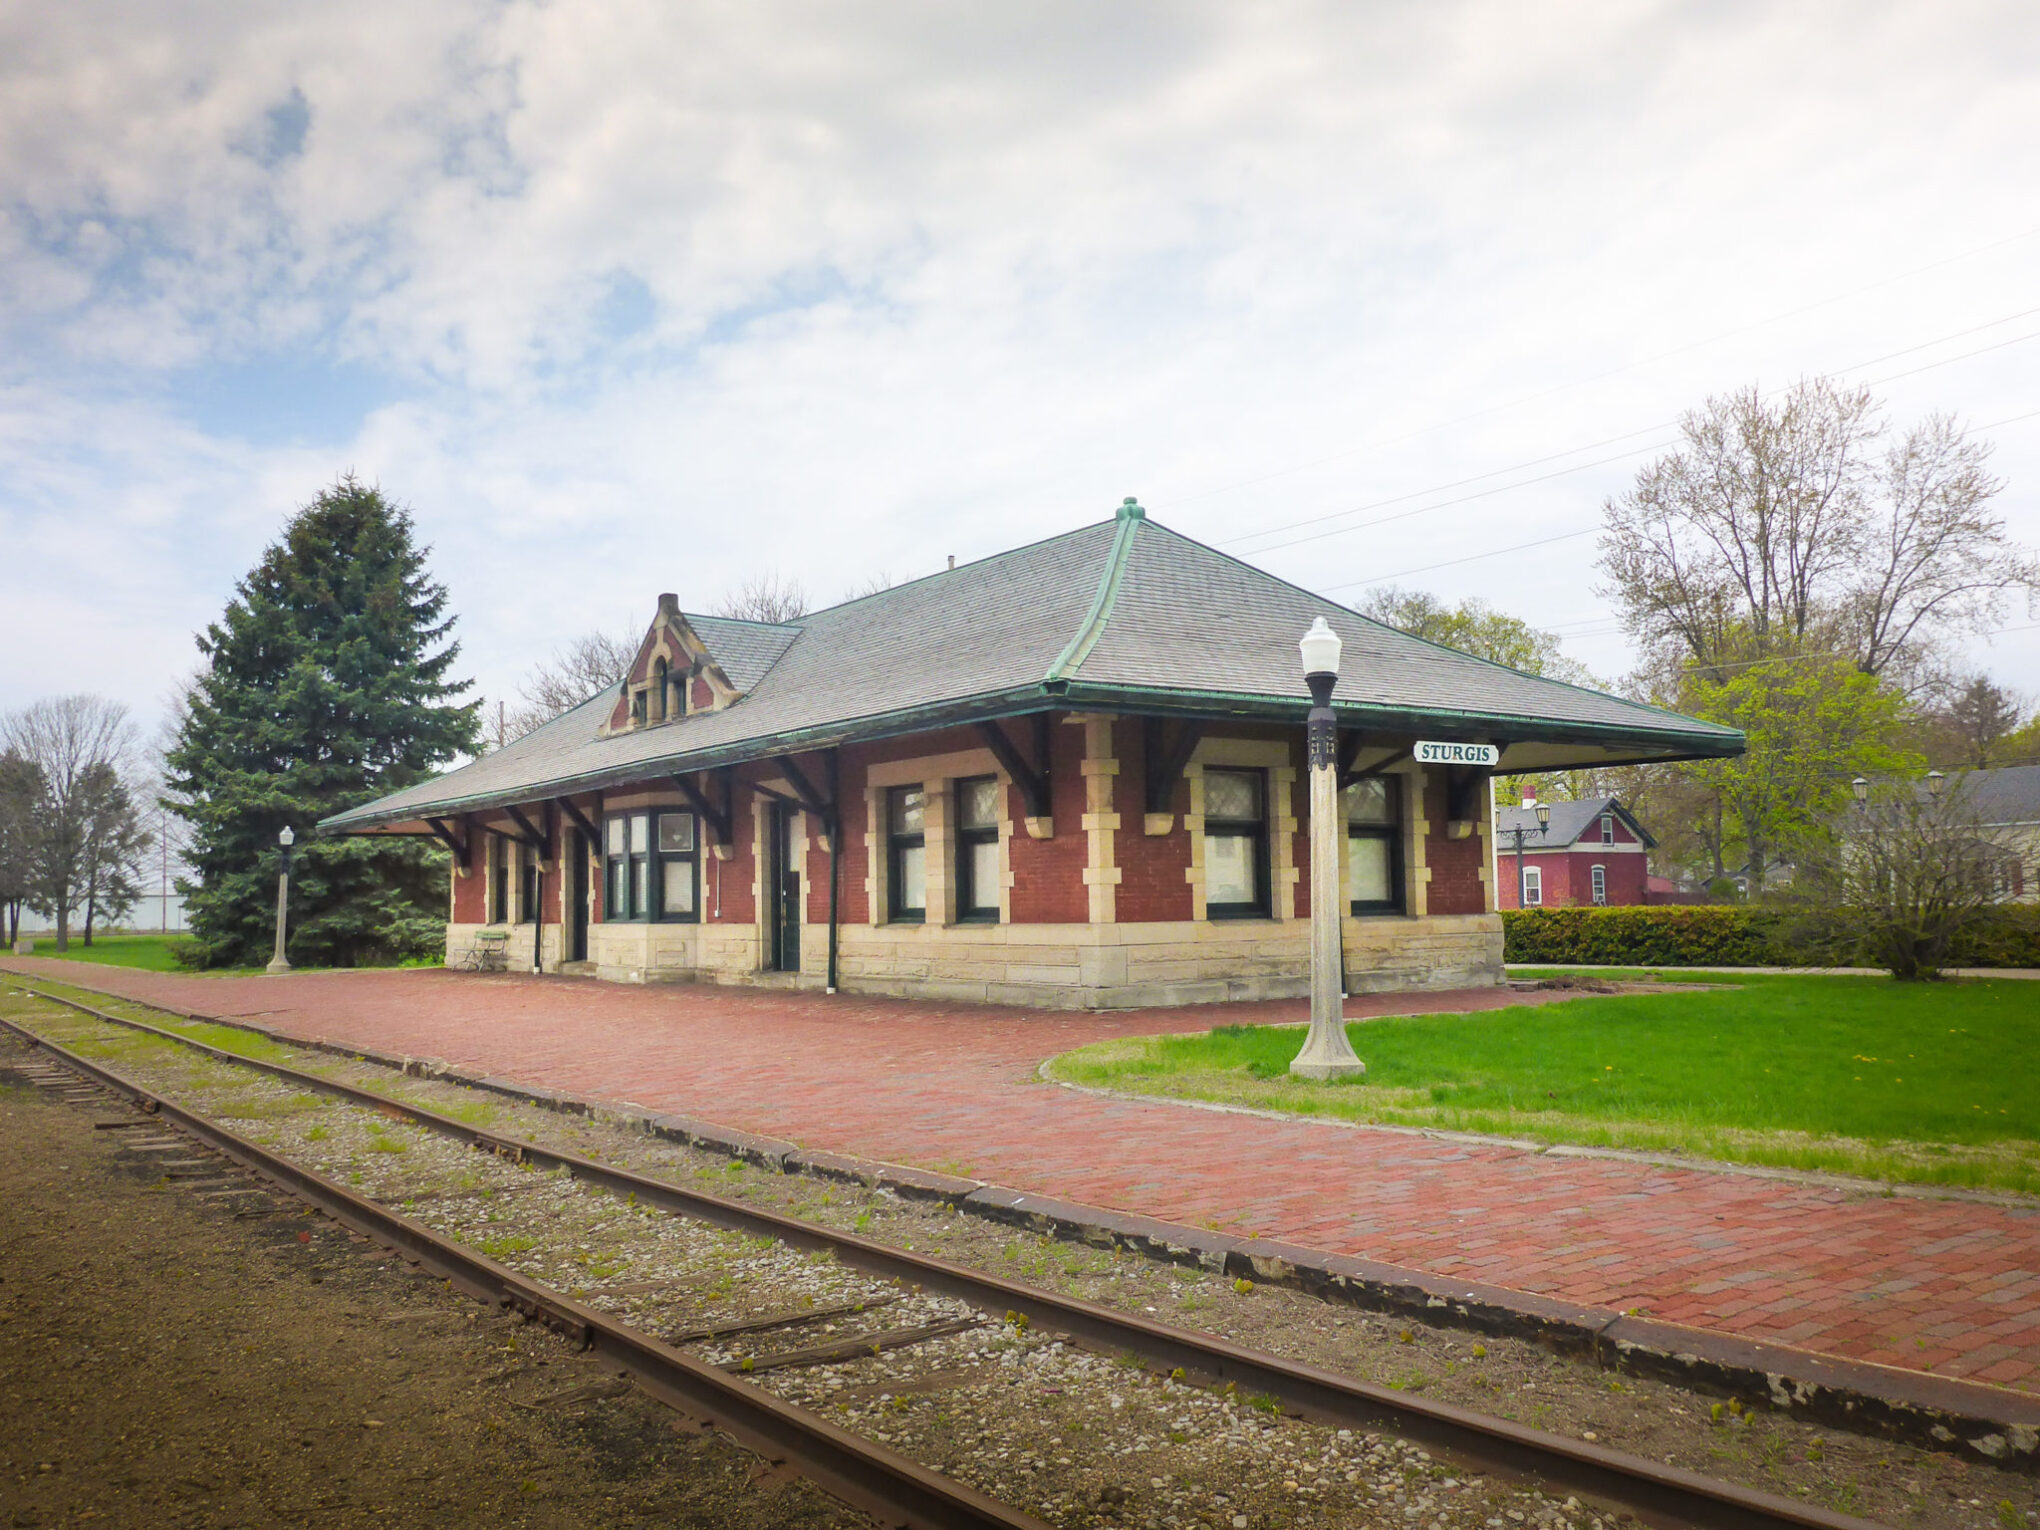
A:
(823, 808)
(1033, 782)
(718, 819)
(1165, 762)
(1388, 762)
(531, 834)
(457, 843)
(581, 821)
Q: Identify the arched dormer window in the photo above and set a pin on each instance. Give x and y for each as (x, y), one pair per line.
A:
(659, 668)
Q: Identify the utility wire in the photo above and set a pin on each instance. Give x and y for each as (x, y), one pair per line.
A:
(1567, 536)
(1319, 520)
(1620, 455)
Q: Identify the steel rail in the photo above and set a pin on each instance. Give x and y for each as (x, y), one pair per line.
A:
(1669, 1494)
(862, 1473)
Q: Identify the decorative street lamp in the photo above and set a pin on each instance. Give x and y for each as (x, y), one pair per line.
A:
(1326, 1054)
(278, 962)
(1934, 782)
(1522, 832)
(1860, 788)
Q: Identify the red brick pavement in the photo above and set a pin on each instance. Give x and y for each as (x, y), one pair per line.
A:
(1947, 1285)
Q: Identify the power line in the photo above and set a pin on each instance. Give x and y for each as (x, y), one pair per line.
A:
(1567, 536)
(1318, 520)
(1630, 366)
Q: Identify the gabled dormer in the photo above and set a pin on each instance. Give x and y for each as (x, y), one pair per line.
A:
(677, 674)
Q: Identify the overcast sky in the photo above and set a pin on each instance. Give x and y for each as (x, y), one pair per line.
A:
(630, 297)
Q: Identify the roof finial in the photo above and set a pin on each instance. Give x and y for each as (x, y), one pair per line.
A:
(1130, 510)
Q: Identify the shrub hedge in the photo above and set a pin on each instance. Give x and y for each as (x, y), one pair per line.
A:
(1726, 936)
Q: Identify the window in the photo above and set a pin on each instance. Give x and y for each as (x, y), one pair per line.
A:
(1235, 844)
(498, 910)
(637, 708)
(1600, 884)
(977, 849)
(1374, 846)
(527, 884)
(651, 867)
(906, 855)
(1607, 829)
(1533, 887)
(659, 690)
(679, 867)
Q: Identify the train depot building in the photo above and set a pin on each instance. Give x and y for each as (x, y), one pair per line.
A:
(1070, 775)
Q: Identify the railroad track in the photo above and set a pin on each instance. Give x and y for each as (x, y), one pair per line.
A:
(854, 1318)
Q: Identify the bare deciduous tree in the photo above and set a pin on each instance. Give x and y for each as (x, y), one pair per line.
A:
(593, 662)
(21, 790)
(768, 597)
(1790, 526)
(78, 744)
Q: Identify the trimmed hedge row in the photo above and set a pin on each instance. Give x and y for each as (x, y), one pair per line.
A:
(1725, 936)
(1647, 936)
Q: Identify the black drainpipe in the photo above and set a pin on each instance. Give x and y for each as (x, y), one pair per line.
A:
(835, 854)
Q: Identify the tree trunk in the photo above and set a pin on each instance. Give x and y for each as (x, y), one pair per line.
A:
(91, 912)
(63, 925)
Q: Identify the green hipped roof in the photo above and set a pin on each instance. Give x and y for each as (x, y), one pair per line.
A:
(1122, 615)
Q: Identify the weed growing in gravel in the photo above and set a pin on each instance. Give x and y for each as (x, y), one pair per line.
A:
(498, 1248)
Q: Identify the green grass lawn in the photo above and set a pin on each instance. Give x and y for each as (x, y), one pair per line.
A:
(156, 953)
(152, 953)
(1932, 1083)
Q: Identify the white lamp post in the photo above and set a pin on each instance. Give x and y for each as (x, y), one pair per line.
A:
(1326, 1054)
(278, 962)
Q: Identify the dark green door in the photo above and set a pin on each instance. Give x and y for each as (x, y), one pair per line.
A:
(785, 871)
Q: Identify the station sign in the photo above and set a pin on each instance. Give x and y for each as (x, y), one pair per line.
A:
(1441, 753)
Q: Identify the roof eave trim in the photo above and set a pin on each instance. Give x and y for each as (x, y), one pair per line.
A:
(1705, 740)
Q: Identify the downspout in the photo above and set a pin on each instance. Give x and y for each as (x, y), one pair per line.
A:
(835, 855)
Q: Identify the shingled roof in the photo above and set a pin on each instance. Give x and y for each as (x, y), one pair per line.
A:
(1124, 615)
(1569, 820)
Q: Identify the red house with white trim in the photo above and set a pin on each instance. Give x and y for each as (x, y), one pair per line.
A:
(1590, 854)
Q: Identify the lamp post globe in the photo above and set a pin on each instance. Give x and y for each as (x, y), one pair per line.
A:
(1860, 789)
(279, 962)
(1326, 1054)
(1935, 781)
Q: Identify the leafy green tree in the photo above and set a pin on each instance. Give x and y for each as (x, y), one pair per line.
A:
(111, 848)
(1813, 725)
(324, 685)
(1475, 627)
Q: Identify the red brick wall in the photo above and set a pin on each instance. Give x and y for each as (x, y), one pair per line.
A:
(704, 697)
(1151, 881)
(1569, 874)
(1455, 864)
(1048, 874)
(729, 888)
(470, 892)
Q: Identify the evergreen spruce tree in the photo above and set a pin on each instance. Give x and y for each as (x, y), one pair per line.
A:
(325, 685)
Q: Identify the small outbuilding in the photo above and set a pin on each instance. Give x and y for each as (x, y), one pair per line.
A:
(1068, 775)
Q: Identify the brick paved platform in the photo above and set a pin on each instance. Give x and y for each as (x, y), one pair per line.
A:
(1945, 1285)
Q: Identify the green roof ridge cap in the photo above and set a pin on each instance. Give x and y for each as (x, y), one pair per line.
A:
(1128, 519)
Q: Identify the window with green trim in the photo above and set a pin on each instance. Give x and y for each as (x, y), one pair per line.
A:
(651, 867)
(1235, 844)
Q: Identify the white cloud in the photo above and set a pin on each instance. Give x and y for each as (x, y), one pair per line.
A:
(905, 281)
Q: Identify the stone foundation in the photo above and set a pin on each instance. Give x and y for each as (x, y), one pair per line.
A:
(1052, 966)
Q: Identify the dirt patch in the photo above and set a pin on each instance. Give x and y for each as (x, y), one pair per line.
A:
(178, 1357)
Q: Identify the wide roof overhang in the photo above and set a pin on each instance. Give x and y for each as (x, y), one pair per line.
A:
(1528, 743)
